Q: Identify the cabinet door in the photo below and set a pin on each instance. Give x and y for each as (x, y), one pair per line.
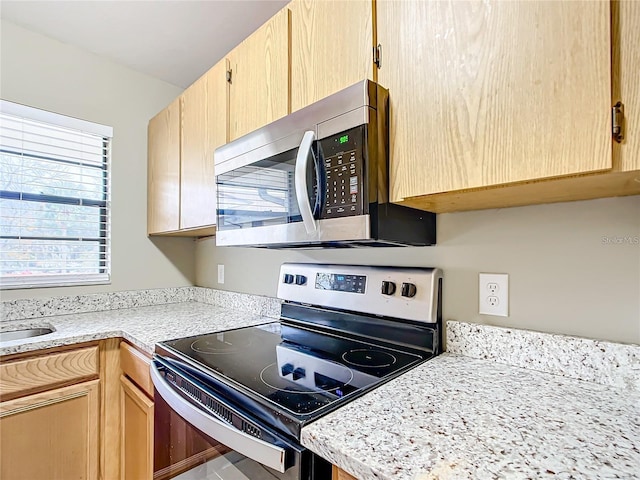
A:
(339, 474)
(259, 91)
(163, 170)
(204, 128)
(331, 47)
(626, 86)
(51, 435)
(137, 433)
(489, 93)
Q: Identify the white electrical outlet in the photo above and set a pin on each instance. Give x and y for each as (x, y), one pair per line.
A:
(493, 291)
(220, 273)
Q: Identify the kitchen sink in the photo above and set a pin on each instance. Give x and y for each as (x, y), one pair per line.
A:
(24, 333)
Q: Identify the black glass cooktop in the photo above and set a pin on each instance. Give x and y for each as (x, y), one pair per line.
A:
(298, 369)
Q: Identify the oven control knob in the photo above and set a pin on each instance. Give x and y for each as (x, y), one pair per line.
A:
(286, 369)
(288, 278)
(408, 290)
(299, 373)
(388, 288)
(301, 279)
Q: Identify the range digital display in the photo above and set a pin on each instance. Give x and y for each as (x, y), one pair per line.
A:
(341, 282)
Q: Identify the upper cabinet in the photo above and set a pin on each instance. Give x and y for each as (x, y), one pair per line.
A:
(163, 170)
(331, 47)
(204, 128)
(259, 77)
(182, 139)
(626, 84)
(492, 104)
(486, 94)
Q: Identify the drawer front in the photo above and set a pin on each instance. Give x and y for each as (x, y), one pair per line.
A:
(30, 375)
(135, 365)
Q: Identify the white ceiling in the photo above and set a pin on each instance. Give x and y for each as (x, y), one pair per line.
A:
(172, 40)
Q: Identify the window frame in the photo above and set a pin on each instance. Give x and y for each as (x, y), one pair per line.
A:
(104, 205)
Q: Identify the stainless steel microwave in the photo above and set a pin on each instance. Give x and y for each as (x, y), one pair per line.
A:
(318, 177)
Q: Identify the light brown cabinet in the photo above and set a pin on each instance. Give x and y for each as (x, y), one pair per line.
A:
(53, 434)
(50, 411)
(259, 70)
(626, 85)
(136, 454)
(182, 139)
(339, 474)
(204, 128)
(137, 410)
(490, 95)
(163, 170)
(331, 47)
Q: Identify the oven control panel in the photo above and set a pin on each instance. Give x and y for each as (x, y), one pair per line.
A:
(410, 293)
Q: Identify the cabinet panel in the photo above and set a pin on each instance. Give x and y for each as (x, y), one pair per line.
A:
(204, 128)
(137, 428)
(331, 47)
(51, 435)
(626, 85)
(339, 474)
(136, 366)
(43, 372)
(259, 91)
(163, 170)
(484, 94)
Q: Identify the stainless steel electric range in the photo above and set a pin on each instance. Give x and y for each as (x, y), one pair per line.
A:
(231, 405)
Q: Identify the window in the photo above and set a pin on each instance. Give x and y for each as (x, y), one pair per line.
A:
(54, 199)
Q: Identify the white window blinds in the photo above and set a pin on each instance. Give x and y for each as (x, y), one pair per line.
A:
(54, 199)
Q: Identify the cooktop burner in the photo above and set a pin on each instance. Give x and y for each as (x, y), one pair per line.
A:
(272, 376)
(218, 343)
(365, 357)
(298, 369)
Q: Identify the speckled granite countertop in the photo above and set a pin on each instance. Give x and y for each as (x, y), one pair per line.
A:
(142, 326)
(456, 417)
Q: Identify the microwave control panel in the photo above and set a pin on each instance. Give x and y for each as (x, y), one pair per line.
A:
(344, 166)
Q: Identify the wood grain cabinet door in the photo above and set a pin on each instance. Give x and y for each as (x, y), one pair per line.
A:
(163, 170)
(51, 435)
(626, 84)
(204, 128)
(491, 93)
(331, 47)
(259, 90)
(137, 433)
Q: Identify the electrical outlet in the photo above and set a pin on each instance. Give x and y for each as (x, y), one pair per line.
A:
(220, 273)
(493, 295)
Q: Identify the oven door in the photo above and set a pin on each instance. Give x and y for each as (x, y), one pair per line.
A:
(198, 436)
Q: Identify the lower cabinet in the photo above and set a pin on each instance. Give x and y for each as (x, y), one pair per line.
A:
(53, 434)
(137, 432)
(136, 415)
(339, 474)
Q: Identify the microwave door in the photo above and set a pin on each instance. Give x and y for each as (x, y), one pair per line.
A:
(272, 199)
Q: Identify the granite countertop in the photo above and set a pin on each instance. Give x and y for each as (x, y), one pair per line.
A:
(456, 417)
(141, 326)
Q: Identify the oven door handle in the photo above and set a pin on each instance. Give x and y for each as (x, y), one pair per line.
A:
(262, 452)
(302, 195)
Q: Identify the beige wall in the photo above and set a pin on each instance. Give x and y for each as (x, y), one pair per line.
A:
(563, 277)
(44, 73)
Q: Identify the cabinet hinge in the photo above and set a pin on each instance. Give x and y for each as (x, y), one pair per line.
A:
(377, 56)
(617, 122)
(229, 72)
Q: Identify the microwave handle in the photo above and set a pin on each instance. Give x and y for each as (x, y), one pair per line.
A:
(302, 164)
